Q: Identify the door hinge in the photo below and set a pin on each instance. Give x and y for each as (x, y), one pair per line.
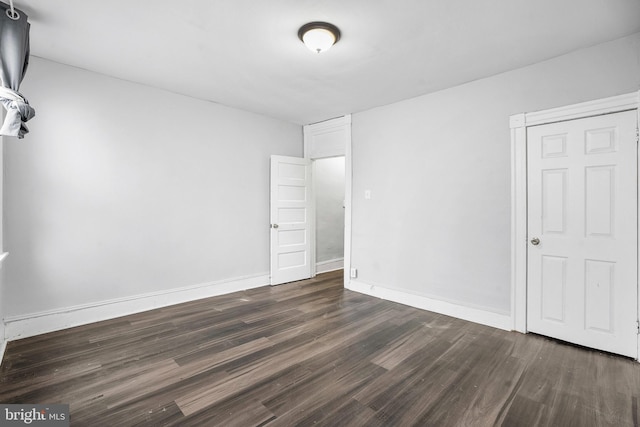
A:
(638, 326)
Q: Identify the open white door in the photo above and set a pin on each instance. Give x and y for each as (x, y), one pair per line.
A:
(291, 219)
(582, 216)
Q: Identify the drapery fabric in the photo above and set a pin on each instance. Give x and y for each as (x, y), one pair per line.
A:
(14, 59)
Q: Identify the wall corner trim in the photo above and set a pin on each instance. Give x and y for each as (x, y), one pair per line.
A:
(28, 325)
(471, 314)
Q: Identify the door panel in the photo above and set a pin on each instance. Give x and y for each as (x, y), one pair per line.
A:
(582, 206)
(554, 201)
(554, 284)
(290, 219)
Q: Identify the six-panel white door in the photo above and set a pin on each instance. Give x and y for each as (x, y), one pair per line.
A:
(582, 231)
(291, 216)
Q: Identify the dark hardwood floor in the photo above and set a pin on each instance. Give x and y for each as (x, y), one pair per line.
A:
(312, 353)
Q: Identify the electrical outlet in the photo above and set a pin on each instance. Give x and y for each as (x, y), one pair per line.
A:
(354, 273)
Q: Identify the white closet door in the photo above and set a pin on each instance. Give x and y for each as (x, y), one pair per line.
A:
(582, 229)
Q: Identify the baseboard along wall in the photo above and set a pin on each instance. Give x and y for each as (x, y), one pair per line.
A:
(475, 315)
(331, 265)
(28, 325)
(23, 326)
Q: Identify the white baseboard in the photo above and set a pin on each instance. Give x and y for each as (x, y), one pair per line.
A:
(476, 315)
(331, 265)
(3, 347)
(28, 325)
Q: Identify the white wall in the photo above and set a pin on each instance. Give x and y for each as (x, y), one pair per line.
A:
(438, 222)
(329, 192)
(2, 291)
(2, 327)
(2, 313)
(122, 189)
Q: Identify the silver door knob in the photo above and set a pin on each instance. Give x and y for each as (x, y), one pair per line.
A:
(535, 241)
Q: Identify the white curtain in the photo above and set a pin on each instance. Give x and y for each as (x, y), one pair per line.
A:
(14, 59)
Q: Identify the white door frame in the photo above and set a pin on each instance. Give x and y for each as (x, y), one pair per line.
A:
(518, 124)
(332, 138)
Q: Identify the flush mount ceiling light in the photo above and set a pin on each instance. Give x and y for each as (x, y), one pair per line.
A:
(319, 36)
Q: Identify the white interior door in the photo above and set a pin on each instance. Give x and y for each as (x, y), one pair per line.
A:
(291, 219)
(582, 229)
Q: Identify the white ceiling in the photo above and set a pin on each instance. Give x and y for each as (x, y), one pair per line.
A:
(246, 54)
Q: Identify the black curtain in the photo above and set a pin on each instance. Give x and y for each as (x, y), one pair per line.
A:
(14, 59)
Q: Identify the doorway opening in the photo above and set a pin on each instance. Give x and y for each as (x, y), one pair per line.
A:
(329, 193)
(295, 252)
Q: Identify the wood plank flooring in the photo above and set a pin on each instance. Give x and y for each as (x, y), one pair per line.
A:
(312, 353)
